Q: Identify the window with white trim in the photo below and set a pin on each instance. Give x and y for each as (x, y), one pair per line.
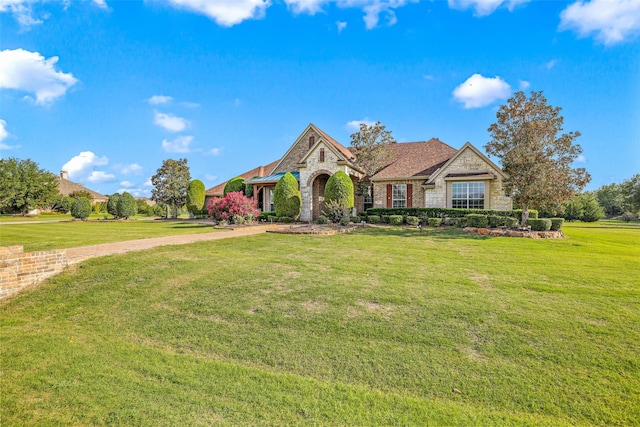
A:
(271, 208)
(467, 195)
(399, 196)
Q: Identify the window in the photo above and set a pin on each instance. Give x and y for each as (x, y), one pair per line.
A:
(467, 195)
(322, 155)
(312, 140)
(399, 196)
(271, 209)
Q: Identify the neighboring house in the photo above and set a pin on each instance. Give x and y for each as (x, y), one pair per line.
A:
(418, 174)
(66, 187)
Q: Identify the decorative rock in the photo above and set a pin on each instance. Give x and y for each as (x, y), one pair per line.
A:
(497, 232)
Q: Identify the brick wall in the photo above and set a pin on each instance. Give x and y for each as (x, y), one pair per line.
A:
(19, 269)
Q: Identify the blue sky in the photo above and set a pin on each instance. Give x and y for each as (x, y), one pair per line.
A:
(109, 89)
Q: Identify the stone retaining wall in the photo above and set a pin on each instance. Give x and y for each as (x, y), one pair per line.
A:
(19, 269)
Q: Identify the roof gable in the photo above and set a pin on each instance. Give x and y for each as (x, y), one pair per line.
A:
(466, 146)
(259, 171)
(66, 187)
(415, 159)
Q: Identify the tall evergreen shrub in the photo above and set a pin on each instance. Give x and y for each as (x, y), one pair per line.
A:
(234, 185)
(287, 200)
(195, 196)
(339, 188)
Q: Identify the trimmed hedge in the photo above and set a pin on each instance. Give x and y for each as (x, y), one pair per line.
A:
(443, 212)
(434, 222)
(265, 216)
(339, 188)
(373, 219)
(542, 224)
(495, 221)
(413, 220)
(286, 197)
(355, 219)
(195, 196)
(510, 222)
(477, 220)
(556, 223)
(396, 219)
(322, 220)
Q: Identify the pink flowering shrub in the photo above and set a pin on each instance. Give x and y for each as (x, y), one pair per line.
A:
(231, 207)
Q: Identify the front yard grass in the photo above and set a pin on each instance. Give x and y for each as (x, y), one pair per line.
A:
(61, 235)
(376, 327)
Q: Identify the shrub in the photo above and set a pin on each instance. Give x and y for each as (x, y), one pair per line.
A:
(266, 215)
(533, 214)
(442, 212)
(355, 219)
(449, 222)
(126, 206)
(413, 220)
(373, 219)
(395, 219)
(286, 197)
(234, 185)
(345, 220)
(195, 197)
(99, 207)
(477, 220)
(63, 205)
(495, 221)
(339, 188)
(112, 205)
(237, 219)
(385, 219)
(286, 219)
(224, 208)
(542, 224)
(322, 220)
(461, 222)
(511, 222)
(249, 218)
(556, 223)
(628, 217)
(335, 211)
(592, 211)
(435, 222)
(248, 190)
(81, 208)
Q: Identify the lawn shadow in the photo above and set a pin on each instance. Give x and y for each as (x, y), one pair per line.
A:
(413, 232)
(182, 226)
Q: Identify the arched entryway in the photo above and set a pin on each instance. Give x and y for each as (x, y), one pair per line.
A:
(317, 188)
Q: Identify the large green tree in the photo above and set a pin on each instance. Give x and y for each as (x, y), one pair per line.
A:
(25, 186)
(370, 145)
(195, 196)
(126, 206)
(538, 161)
(170, 185)
(611, 198)
(631, 193)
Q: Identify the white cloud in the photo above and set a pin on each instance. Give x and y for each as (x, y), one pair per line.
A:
(428, 77)
(523, 84)
(170, 122)
(135, 192)
(98, 177)
(159, 99)
(479, 91)
(178, 145)
(581, 159)
(83, 162)
(101, 4)
(31, 72)
(147, 183)
(609, 21)
(4, 135)
(354, 125)
(127, 184)
(132, 168)
(214, 152)
(372, 9)
(341, 26)
(225, 12)
(210, 177)
(549, 65)
(21, 11)
(484, 7)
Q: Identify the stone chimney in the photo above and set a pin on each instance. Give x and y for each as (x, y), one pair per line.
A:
(64, 175)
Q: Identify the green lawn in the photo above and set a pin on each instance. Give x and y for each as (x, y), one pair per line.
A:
(377, 327)
(60, 235)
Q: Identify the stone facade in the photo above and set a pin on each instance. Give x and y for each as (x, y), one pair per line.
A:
(468, 161)
(314, 170)
(20, 269)
(289, 162)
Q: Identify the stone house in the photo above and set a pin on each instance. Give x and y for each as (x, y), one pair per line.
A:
(418, 174)
(66, 187)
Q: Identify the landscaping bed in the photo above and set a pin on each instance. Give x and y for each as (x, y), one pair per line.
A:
(505, 232)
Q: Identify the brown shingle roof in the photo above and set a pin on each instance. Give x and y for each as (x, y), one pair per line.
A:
(66, 187)
(415, 159)
(218, 190)
(348, 155)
